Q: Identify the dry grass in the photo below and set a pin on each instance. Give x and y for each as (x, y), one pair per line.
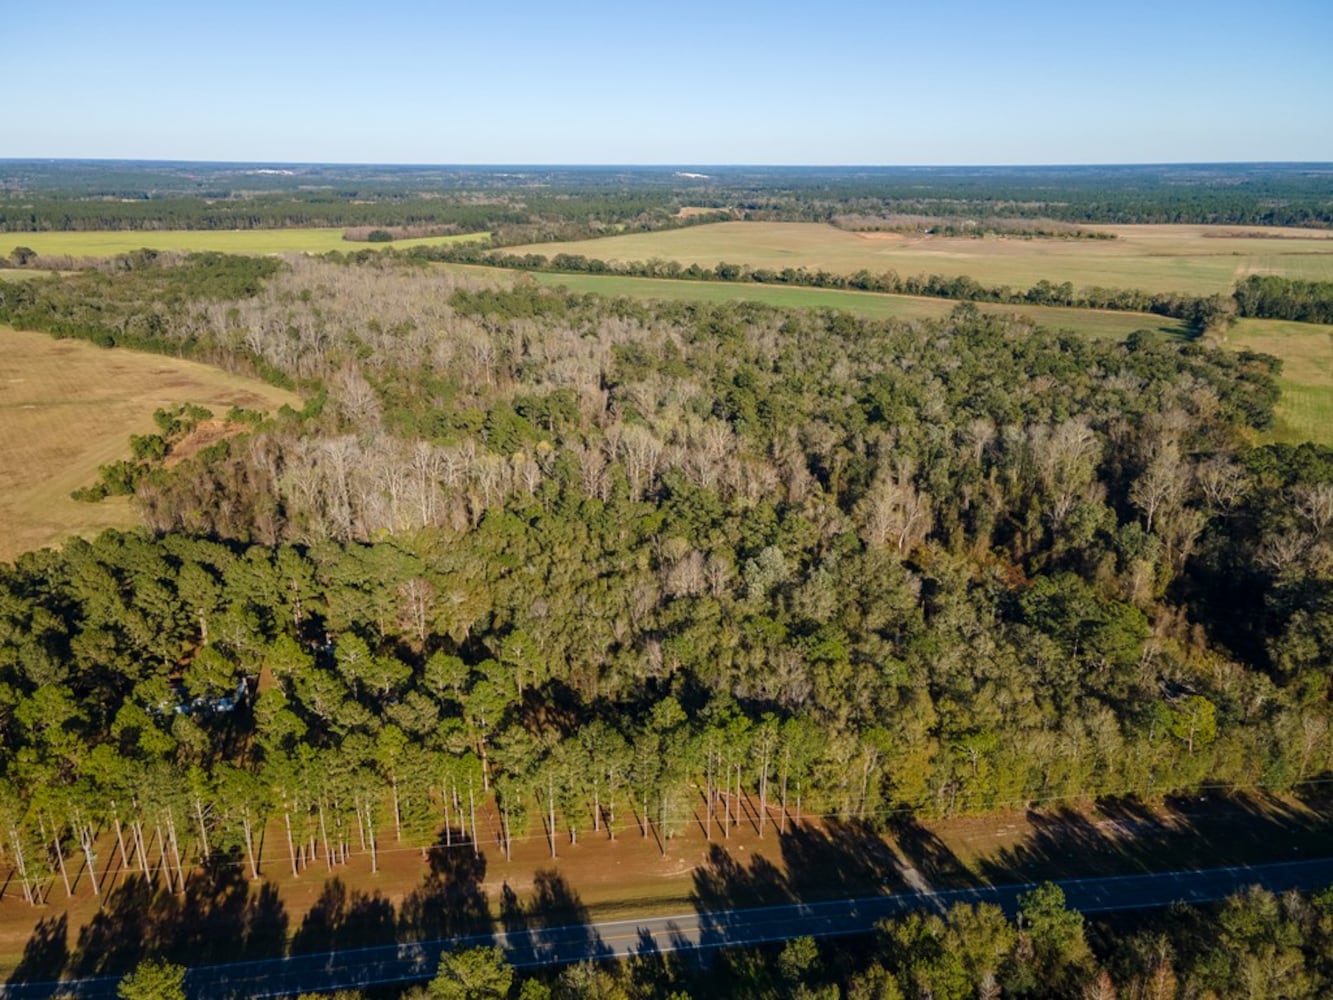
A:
(1197, 259)
(67, 407)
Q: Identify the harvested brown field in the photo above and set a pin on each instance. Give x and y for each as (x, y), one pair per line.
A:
(67, 407)
(1165, 258)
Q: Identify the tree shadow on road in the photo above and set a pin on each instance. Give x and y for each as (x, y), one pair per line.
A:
(722, 884)
(553, 926)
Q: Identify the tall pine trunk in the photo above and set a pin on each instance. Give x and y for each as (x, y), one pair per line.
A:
(708, 799)
(60, 856)
(397, 813)
(90, 859)
(370, 836)
(21, 864)
(726, 803)
(203, 827)
(291, 845)
(763, 796)
(324, 834)
(120, 837)
(247, 826)
(550, 804)
(176, 851)
(136, 828)
(472, 805)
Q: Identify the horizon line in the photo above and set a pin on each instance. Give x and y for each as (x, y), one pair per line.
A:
(609, 165)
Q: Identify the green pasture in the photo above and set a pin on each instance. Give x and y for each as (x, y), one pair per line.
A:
(238, 241)
(1193, 259)
(869, 304)
(1305, 412)
(783, 296)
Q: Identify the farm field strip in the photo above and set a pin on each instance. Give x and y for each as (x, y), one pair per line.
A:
(67, 406)
(238, 241)
(1193, 259)
(872, 305)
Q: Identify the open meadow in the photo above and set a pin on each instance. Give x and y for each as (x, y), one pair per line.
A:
(239, 241)
(1193, 259)
(1305, 411)
(873, 305)
(67, 407)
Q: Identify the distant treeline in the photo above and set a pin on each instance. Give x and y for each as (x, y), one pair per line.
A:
(522, 211)
(71, 195)
(943, 225)
(1271, 297)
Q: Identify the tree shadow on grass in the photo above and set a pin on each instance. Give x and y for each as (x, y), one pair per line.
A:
(724, 882)
(46, 953)
(1128, 835)
(119, 935)
(930, 862)
(450, 902)
(220, 917)
(848, 858)
(345, 919)
(836, 859)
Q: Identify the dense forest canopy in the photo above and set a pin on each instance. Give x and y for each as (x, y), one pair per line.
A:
(578, 553)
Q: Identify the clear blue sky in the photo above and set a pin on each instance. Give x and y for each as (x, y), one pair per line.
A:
(931, 82)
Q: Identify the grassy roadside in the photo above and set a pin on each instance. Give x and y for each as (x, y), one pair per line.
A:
(450, 890)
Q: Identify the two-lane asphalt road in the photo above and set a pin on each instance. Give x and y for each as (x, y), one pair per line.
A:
(690, 932)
